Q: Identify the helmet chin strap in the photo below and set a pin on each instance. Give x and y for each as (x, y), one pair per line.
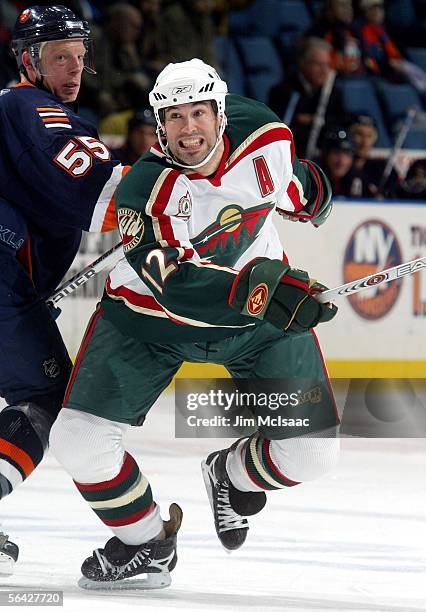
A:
(172, 160)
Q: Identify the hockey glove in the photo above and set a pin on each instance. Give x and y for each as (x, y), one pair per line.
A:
(270, 290)
(326, 203)
(320, 205)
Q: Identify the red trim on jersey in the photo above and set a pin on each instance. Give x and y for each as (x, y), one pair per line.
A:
(23, 84)
(273, 135)
(145, 301)
(110, 220)
(88, 334)
(160, 205)
(294, 195)
(215, 180)
(128, 465)
(128, 520)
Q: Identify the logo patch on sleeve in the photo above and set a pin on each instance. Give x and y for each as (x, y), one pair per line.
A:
(257, 299)
(184, 206)
(131, 227)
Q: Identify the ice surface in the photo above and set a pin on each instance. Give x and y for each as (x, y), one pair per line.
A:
(352, 540)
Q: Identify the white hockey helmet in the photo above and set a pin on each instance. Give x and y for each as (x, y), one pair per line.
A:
(182, 83)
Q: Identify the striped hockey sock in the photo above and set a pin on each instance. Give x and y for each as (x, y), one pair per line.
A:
(259, 466)
(24, 433)
(125, 504)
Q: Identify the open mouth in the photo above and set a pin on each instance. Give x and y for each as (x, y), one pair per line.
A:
(191, 144)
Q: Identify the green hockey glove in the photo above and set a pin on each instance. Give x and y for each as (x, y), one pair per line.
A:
(270, 290)
(326, 203)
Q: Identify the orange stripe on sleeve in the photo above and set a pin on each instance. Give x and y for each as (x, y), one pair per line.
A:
(42, 109)
(18, 456)
(55, 120)
(110, 220)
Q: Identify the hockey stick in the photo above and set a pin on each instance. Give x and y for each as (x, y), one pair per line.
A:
(291, 107)
(399, 141)
(108, 259)
(372, 280)
(319, 118)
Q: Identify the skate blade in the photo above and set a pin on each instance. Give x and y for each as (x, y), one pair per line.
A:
(161, 580)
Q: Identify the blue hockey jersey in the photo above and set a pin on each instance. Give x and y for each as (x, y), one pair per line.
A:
(56, 179)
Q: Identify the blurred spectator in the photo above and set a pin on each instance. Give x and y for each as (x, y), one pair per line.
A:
(222, 10)
(414, 185)
(296, 100)
(141, 136)
(336, 25)
(382, 57)
(337, 161)
(150, 41)
(363, 132)
(8, 70)
(188, 31)
(117, 60)
(129, 97)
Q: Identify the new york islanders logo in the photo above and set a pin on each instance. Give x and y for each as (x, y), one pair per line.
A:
(373, 247)
(234, 230)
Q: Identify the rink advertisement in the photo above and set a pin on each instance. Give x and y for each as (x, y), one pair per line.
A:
(376, 332)
(380, 329)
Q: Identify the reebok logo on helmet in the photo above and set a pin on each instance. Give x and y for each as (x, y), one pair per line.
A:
(181, 90)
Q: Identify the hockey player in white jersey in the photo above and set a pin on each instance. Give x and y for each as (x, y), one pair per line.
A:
(204, 279)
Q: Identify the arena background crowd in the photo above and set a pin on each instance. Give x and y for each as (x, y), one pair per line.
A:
(347, 77)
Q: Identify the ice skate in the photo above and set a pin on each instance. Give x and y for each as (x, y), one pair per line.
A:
(144, 566)
(229, 506)
(9, 553)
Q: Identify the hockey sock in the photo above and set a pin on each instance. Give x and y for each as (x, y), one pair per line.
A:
(251, 468)
(24, 439)
(125, 504)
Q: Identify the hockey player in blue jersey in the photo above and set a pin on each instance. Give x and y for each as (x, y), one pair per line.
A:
(56, 179)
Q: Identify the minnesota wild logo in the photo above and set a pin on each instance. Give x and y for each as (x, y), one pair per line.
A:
(234, 230)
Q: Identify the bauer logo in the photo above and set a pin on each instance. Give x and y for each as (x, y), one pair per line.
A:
(131, 226)
(372, 248)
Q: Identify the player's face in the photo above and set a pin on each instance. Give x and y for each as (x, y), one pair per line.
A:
(62, 63)
(191, 131)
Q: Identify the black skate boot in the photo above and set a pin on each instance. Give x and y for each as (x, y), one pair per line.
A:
(229, 505)
(120, 566)
(9, 553)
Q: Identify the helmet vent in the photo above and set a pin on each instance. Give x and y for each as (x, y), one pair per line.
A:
(206, 88)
